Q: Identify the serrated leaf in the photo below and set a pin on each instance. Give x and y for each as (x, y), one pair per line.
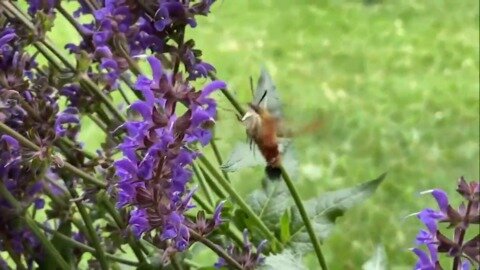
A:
(286, 260)
(324, 210)
(378, 261)
(270, 203)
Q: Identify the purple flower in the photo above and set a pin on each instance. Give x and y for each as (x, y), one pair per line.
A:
(65, 120)
(427, 261)
(245, 255)
(154, 172)
(22, 184)
(44, 5)
(459, 220)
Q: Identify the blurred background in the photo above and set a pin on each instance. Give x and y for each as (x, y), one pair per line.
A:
(392, 85)
(388, 85)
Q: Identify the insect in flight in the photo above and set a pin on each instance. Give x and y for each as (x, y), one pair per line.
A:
(263, 122)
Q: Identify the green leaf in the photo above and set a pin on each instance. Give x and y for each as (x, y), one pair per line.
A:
(286, 260)
(324, 210)
(378, 261)
(270, 203)
(285, 226)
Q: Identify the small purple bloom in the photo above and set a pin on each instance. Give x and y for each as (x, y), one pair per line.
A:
(245, 255)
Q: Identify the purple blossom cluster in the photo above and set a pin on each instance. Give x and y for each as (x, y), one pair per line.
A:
(465, 252)
(245, 256)
(18, 178)
(124, 29)
(41, 5)
(154, 171)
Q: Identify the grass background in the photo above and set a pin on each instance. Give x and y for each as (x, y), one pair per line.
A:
(393, 86)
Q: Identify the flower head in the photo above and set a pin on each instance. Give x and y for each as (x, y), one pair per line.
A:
(459, 220)
(245, 255)
(153, 174)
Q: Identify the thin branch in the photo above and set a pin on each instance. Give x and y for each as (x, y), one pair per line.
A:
(215, 248)
(305, 218)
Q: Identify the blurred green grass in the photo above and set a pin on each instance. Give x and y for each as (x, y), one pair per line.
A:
(394, 87)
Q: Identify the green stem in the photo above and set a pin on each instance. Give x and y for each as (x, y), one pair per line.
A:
(15, 257)
(83, 246)
(214, 185)
(13, 9)
(49, 248)
(24, 141)
(229, 96)
(202, 203)
(175, 264)
(99, 254)
(306, 220)
(135, 245)
(218, 156)
(239, 200)
(215, 248)
(71, 144)
(201, 180)
(71, 20)
(85, 176)
(84, 78)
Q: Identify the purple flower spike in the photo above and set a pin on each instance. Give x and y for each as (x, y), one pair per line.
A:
(463, 251)
(441, 198)
(425, 261)
(154, 172)
(244, 255)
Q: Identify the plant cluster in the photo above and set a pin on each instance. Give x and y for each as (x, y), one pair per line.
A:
(151, 197)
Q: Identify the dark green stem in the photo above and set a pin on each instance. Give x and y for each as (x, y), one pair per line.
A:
(99, 252)
(229, 96)
(91, 85)
(15, 257)
(203, 185)
(218, 156)
(49, 248)
(25, 142)
(215, 248)
(134, 244)
(306, 220)
(239, 200)
(83, 246)
(214, 185)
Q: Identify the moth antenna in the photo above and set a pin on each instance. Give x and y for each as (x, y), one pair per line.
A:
(263, 97)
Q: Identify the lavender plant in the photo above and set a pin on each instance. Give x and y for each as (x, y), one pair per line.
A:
(463, 248)
(151, 196)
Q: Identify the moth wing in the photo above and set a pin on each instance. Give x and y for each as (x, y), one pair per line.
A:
(243, 156)
(271, 100)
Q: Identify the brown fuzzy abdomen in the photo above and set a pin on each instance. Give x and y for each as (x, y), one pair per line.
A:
(267, 141)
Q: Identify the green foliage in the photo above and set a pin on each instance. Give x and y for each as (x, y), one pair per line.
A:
(324, 211)
(378, 261)
(270, 203)
(393, 86)
(286, 260)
